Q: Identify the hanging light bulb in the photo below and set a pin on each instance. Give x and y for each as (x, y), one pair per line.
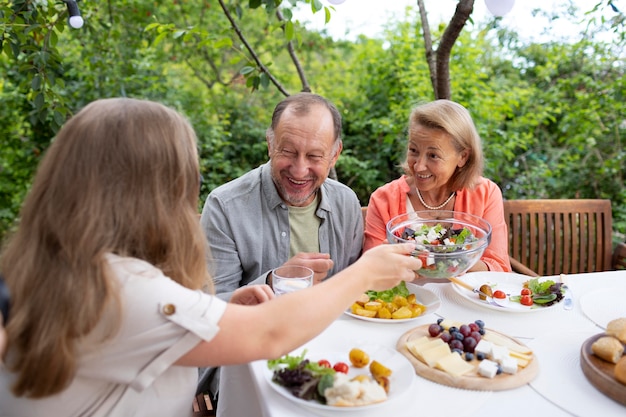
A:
(336, 2)
(75, 20)
(499, 8)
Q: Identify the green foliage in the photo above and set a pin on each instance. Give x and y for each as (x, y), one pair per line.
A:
(551, 114)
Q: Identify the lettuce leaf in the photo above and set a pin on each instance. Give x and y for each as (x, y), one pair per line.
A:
(388, 295)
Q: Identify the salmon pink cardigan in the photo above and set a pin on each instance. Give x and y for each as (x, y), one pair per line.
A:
(484, 200)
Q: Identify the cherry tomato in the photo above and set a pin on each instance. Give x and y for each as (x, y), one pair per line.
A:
(341, 367)
(526, 291)
(324, 363)
(526, 300)
(499, 294)
(423, 257)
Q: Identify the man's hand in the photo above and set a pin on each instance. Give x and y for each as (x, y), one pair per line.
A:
(320, 263)
(252, 295)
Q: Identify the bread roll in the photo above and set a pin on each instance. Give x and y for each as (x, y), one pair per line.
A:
(608, 348)
(617, 328)
(620, 370)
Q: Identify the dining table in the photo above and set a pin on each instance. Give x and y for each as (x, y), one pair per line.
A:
(555, 335)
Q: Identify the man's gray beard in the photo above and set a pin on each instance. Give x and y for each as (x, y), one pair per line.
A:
(287, 197)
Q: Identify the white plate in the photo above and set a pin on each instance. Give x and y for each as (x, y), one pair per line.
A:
(604, 305)
(400, 381)
(422, 295)
(508, 282)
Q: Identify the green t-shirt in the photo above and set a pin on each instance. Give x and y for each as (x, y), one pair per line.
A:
(304, 229)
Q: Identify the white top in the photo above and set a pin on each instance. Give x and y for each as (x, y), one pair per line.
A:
(132, 373)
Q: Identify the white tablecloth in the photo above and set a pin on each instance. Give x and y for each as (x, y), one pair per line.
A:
(555, 335)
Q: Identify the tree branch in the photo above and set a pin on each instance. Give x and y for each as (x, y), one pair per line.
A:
(428, 46)
(262, 68)
(462, 13)
(294, 58)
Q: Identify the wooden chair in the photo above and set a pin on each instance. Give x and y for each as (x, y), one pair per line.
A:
(550, 237)
(619, 256)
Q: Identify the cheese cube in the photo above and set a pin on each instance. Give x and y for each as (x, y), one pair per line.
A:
(498, 353)
(509, 365)
(487, 368)
(484, 347)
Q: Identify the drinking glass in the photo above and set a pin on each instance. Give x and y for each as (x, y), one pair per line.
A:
(290, 278)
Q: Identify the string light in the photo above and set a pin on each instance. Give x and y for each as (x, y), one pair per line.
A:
(76, 21)
(499, 8)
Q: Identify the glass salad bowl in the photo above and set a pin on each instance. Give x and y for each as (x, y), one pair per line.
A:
(447, 242)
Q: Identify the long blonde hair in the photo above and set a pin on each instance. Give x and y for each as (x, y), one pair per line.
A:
(121, 177)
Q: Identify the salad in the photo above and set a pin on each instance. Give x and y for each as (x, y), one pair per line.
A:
(444, 252)
(541, 293)
(303, 378)
(330, 384)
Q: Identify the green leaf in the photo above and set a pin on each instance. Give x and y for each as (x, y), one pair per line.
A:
(289, 30)
(326, 15)
(388, 295)
(59, 119)
(223, 43)
(246, 70)
(316, 6)
(36, 83)
(39, 101)
(179, 33)
(265, 80)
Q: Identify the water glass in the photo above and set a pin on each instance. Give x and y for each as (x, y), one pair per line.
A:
(290, 278)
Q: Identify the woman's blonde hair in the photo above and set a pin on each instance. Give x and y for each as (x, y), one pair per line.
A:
(122, 177)
(455, 120)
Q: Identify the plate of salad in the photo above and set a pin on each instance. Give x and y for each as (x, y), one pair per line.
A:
(513, 293)
(420, 301)
(303, 377)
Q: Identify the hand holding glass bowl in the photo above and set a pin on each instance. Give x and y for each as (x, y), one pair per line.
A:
(442, 257)
(290, 278)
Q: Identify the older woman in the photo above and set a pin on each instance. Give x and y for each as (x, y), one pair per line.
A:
(443, 171)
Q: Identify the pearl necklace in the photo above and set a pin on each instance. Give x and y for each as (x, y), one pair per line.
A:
(419, 195)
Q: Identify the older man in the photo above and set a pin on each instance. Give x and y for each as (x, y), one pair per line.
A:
(286, 211)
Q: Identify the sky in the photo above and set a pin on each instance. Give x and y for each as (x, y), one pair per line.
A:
(354, 17)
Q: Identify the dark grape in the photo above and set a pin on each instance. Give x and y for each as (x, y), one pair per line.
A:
(476, 335)
(445, 336)
(456, 344)
(469, 344)
(465, 330)
(434, 330)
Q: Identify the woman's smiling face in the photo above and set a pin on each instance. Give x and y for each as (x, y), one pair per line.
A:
(302, 154)
(432, 158)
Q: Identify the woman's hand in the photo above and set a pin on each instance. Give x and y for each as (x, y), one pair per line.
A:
(252, 295)
(388, 264)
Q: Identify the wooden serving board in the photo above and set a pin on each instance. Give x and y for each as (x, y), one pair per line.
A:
(471, 380)
(600, 373)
